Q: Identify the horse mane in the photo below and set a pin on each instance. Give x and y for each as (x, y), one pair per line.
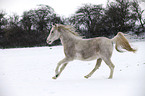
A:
(68, 28)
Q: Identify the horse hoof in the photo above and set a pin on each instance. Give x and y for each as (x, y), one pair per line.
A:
(54, 77)
(86, 77)
(110, 78)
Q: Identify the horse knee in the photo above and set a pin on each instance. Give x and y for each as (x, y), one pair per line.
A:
(113, 66)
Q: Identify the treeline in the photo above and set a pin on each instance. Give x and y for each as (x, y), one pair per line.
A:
(33, 27)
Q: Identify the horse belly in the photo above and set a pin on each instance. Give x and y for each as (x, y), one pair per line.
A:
(88, 57)
(87, 50)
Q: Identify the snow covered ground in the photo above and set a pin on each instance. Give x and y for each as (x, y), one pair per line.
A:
(29, 71)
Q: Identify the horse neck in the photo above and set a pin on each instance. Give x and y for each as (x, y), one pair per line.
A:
(68, 38)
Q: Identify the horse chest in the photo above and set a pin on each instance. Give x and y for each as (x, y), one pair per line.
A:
(69, 51)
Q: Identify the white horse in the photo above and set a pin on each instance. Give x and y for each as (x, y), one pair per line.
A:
(75, 47)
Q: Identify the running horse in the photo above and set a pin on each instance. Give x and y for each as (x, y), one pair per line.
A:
(77, 48)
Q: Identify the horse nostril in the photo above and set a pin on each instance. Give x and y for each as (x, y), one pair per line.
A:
(47, 41)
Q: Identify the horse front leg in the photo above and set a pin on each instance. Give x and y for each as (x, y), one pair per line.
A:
(96, 67)
(63, 62)
(61, 69)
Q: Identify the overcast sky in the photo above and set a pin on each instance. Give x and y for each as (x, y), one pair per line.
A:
(61, 7)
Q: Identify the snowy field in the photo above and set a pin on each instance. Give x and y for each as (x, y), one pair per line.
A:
(29, 72)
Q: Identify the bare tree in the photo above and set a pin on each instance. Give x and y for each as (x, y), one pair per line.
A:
(119, 17)
(87, 18)
(137, 9)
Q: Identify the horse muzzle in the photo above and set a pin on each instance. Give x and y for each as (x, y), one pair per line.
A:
(49, 42)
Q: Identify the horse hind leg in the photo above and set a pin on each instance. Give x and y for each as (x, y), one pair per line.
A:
(96, 67)
(111, 66)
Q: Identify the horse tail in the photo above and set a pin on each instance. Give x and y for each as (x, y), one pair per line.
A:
(121, 41)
